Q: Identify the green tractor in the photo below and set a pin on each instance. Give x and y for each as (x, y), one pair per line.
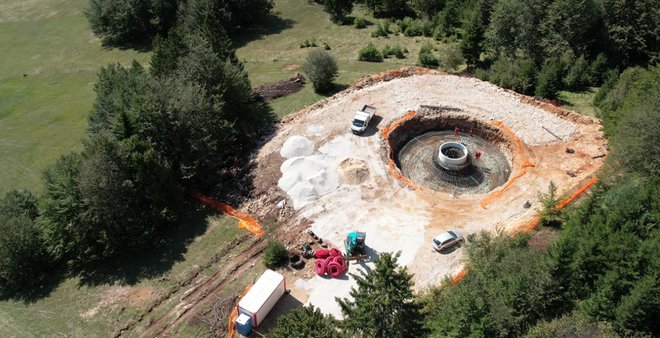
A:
(355, 247)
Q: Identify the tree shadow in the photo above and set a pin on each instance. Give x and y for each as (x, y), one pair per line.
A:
(333, 89)
(169, 248)
(33, 293)
(138, 46)
(283, 306)
(270, 24)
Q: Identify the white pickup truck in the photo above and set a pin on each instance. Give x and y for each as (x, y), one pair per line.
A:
(362, 118)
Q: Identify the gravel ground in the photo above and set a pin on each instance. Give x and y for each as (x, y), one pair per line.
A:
(398, 218)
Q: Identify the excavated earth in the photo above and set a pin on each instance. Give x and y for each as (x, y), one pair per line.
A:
(396, 216)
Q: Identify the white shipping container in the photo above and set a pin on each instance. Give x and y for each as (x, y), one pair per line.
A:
(263, 295)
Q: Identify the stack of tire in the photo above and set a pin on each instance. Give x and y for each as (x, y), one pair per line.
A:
(330, 262)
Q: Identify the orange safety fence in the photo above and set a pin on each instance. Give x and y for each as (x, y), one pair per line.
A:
(459, 276)
(532, 224)
(525, 163)
(562, 204)
(568, 200)
(392, 165)
(245, 221)
(231, 326)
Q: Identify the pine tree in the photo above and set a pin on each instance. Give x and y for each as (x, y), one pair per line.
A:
(383, 305)
(306, 321)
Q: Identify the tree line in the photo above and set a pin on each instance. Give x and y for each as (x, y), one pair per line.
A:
(599, 278)
(187, 121)
(135, 22)
(534, 47)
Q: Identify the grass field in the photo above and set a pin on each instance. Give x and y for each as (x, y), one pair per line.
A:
(273, 54)
(97, 307)
(48, 67)
(581, 102)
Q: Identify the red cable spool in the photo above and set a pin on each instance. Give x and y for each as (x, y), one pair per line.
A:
(341, 261)
(320, 266)
(334, 252)
(334, 270)
(322, 253)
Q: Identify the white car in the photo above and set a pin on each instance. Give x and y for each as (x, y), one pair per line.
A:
(446, 240)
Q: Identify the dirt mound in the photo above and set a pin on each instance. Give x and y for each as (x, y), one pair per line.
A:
(353, 171)
(273, 90)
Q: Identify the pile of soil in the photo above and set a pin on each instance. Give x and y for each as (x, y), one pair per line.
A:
(273, 90)
(353, 171)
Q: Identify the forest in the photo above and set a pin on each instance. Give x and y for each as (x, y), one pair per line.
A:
(190, 119)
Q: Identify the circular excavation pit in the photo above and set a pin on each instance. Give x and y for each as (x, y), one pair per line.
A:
(451, 153)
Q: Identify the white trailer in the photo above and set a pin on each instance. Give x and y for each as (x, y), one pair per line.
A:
(255, 305)
(362, 118)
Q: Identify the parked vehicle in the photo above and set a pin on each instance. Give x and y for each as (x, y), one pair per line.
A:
(257, 303)
(362, 118)
(446, 240)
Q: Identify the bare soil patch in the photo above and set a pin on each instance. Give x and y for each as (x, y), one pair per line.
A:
(397, 217)
(273, 90)
(290, 67)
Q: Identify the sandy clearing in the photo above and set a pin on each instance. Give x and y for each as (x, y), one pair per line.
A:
(398, 218)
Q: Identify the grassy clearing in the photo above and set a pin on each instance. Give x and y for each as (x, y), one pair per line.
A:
(581, 102)
(47, 70)
(96, 308)
(272, 54)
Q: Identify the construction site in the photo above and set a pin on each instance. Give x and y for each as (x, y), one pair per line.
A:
(441, 152)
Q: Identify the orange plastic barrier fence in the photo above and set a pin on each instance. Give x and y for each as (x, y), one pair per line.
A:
(245, 221)
(459, 276)
(568, 200)
(562, 204)
(386, 134)
(231, 326)
(531, 225)
(525, 163)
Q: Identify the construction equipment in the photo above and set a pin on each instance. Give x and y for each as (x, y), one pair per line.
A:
(355, 247)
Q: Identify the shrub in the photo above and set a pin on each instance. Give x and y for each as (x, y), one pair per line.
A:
(404, 23)
(370, 54)
(308, 43)
(393, 51)
(549, 79)
(398, 52)
(577, 76)
(359, 22)
(549, 215)
(518, 74)
(598, 70)
(413, 28)
(382, 29)
(24, 260)
(451, 58)
(275, 255)
(609, 81)
(321, 68)
(426, 57)
(326, 46)
(481, 74)
(387, 52)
